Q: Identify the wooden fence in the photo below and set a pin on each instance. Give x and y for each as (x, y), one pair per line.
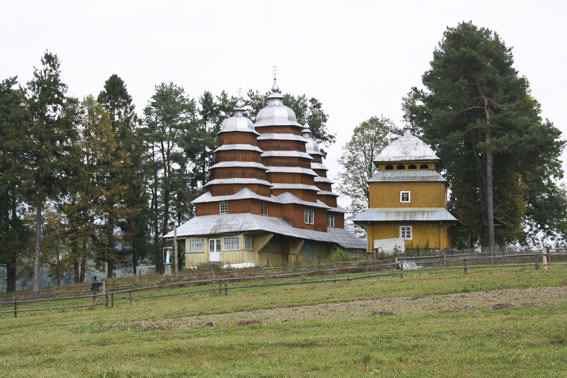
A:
(224, 281)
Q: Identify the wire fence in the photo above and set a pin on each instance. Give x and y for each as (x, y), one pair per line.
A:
(222, 282)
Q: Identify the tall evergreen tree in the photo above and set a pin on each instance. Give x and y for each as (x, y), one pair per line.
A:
(13, 234)
(130, 142)
(479, 114)
(169, 117)
(49, 134)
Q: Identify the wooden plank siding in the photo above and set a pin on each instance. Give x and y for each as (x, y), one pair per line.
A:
(328, 200)
(236, 155)
(277, 161)
(320, 172)
(291, 178)
(423, 194)
(324, 186)
(424, 234)
(317, 159)
(339, 219)
(281, 145)
(238, 172)
(279, 130)
(237, 138)
(224, 189)
(277, 251)
(306, 195)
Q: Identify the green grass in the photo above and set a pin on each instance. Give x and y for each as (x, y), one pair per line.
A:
(523, 341)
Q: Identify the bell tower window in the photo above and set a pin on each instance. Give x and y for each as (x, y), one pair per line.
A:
(405, 197)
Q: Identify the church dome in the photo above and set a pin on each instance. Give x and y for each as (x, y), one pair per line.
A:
(238, 122)
(406, 148)
(311, 147)
(276, 113)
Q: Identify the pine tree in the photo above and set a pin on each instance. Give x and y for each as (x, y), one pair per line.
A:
(479, 114)
(48, 137)
(13, 233)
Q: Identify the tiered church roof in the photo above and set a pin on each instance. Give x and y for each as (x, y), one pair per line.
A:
(265, 175)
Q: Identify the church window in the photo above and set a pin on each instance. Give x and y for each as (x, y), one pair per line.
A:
(309, 216)
(406, 232)
(405, 197)
(424, 166)
(223, 207)
(196, 245)
(331, 221)
(265, 208)
(248, 242)
(231, 243)
(401, 166)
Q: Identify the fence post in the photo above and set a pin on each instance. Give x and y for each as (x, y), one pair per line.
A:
(15, 308)
(225, 287)
(444, 258)
(465, 266)
(220, 287)
(106, 299)
(111, 299)
(545, 257)
(536, 265)
(335, 273)
(130, 296)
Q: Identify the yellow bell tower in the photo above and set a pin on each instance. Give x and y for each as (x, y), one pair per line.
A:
(407, 197)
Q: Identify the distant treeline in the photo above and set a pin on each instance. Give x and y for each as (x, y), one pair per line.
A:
(93, 179)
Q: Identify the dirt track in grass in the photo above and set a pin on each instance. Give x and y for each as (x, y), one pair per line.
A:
(472, 301)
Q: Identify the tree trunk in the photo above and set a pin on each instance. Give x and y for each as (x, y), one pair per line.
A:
(11, 275)
(57, 267)
(83, 263)
(489, 196)
(38, 229)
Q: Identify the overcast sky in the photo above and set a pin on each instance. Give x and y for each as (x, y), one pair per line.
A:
(357, 57)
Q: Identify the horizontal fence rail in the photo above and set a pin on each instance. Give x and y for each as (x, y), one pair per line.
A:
(222, 282)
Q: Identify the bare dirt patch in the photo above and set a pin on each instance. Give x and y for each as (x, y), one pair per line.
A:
(496, 300)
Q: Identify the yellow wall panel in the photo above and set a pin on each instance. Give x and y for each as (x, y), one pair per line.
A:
(423, 194)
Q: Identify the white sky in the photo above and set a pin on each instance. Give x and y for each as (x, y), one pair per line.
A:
(358, 57)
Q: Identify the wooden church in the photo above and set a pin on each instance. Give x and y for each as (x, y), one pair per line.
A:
(407, 197)
(269, 200)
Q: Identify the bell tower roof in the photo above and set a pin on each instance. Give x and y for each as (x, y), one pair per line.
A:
(408, 147)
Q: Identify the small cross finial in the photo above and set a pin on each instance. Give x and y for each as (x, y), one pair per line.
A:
(239, 92)
(275, 71)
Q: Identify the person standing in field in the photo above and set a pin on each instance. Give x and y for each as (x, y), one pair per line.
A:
(95, 287)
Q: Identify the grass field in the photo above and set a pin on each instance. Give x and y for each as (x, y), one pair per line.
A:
(302, 335)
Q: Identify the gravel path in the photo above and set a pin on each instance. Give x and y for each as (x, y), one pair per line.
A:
(497, 299)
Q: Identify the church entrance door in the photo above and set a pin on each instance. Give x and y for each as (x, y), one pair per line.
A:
(214, 250)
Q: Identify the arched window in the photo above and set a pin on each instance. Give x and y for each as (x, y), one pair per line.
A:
(389, 167)
(424, 166)
(412, 166)
(401, 166)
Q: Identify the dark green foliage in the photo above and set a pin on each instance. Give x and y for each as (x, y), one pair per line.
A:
(49, 135)
(13, 233)
(478, 113)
